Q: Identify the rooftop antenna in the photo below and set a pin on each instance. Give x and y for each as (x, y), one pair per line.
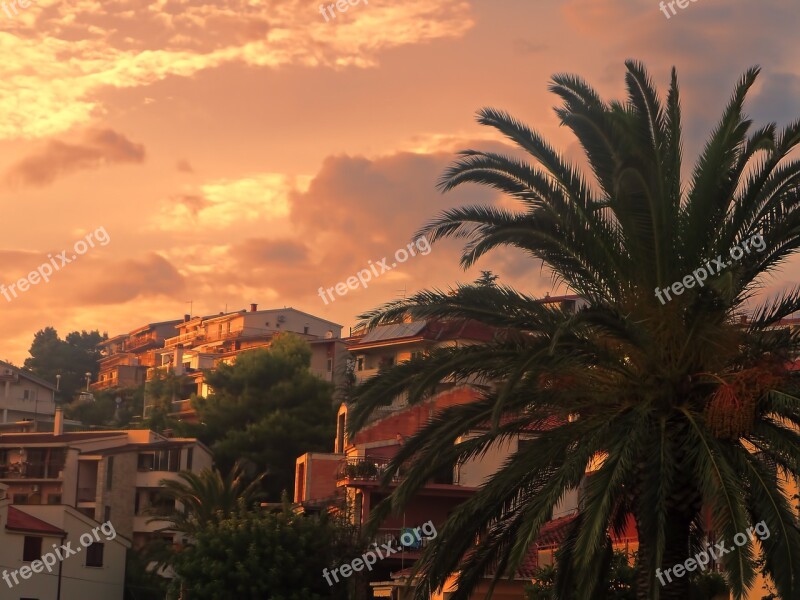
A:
(191, 306)
(403, 291)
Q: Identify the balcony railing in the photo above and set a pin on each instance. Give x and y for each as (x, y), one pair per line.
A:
(372, 469)
(394, 537)
(140, 342)
(184, 337)
(364, 469)
(31, 471)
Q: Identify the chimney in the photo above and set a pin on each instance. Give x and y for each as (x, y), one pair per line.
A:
(253, 307)
(187, 318)
(58, 421)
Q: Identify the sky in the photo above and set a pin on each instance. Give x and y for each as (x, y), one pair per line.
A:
(226, 152)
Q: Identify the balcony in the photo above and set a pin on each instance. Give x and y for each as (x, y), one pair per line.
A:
(183, 338)
(369, 471)
(363, 469)
(103, 385)
(393, 537)
(31, 471)
(140, 342)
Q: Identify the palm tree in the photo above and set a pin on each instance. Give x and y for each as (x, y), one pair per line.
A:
(683, 410)
(204, 497)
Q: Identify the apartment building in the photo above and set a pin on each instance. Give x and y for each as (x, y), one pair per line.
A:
(104, 475)
(203, 343)
(348, 479)
(24, 396)
(97, 570)
(127, 357)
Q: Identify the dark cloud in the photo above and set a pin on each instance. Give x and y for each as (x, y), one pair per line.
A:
(255, 251)
(125, 280)
(97, 148)
(183, 166)
(193, 203)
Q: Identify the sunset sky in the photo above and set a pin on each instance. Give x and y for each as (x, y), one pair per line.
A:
(240, 152)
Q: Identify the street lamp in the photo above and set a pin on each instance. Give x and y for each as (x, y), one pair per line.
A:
(88, 379)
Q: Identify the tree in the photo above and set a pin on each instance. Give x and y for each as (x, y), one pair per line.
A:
(268, 408)
(487, 278)
(264, 555)
(71, 358)
(691, 411)
(199, 498)
(620, 582)
(104, 410)
(160, 392)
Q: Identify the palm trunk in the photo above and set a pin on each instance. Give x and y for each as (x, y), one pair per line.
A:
(676, 551)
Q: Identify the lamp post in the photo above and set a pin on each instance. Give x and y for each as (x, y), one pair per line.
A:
(88, 380)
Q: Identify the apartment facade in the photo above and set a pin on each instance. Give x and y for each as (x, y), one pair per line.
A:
(24, 396)
(203, 343)
(348, 479)
(127, 357)
(104, 475)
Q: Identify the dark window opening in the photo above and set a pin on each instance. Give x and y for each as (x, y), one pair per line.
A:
(32, 549)
(94, 554)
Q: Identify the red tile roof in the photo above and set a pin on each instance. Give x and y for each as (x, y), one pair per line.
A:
(20, 521)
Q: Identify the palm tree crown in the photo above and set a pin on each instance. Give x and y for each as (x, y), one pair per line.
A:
(681, 409)
(202, 497)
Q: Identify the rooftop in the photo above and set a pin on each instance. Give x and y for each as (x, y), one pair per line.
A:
(21, 521)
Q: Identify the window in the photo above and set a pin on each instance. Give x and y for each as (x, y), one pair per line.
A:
(340, 433)
(305, 329)
(94, 554)
(107, 514)
(20, 499)
(330, 365)
(26, 394)
(54, 498)
(163, 460)
(360, 363)
(136, 502)
(189, 457)
(109, 473)
(32, 548)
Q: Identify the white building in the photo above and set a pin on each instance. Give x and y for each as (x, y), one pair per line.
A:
(24, 396)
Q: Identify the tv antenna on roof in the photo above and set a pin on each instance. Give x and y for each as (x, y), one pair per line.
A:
(191, 306)
(403, 291)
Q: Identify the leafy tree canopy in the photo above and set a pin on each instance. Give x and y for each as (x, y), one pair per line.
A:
(264, 555)
(71, 358)
(268, 408)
